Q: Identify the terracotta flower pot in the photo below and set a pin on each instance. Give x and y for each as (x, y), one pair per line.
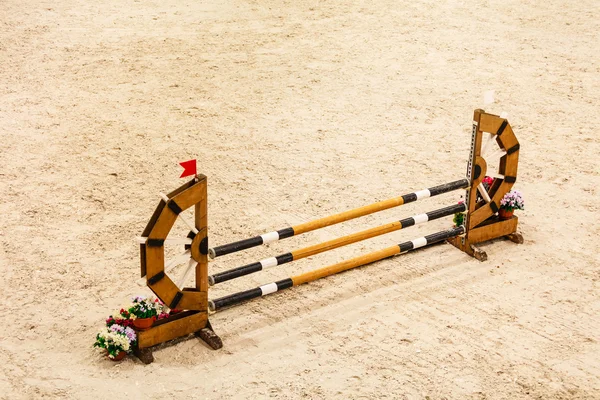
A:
(143, 323)
(505, 214)
(120, 355)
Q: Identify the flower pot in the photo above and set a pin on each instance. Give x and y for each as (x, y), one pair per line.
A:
(120, 355)
(143, 323)
(505, 214)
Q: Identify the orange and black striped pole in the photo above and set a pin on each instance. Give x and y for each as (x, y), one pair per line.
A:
(335, 219)
(240, 297)
(333, 244)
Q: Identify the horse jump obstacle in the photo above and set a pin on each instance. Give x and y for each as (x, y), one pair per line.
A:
(480, 224)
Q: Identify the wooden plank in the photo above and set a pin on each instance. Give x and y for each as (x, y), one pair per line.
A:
(193, 300)
(155, 260)
(508, 138)
(493, 231)
(164, 289)
(502, 165)
(163, 225)
(201, 223)
(153, 219)
(490, 123)
(143, 260)
(146, 232)
(173, 317)
(478, 216)
(511, 164)
(172, 330)
(183, 187)
(494, 188)
(191, 195)
(502, 190)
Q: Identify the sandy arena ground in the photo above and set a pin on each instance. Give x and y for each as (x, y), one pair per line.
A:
(295, 110)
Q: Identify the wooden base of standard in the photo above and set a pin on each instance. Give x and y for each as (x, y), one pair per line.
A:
(515, 238)
(178, 325)
(477, 253)
(210, 337)
(492, 228)
(145, 355)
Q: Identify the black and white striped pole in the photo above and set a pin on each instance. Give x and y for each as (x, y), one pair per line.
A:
(240, 297)
(333, 244)
(335, 219)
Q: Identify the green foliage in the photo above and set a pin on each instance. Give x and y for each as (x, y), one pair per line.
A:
(459, 219)
(143, 307)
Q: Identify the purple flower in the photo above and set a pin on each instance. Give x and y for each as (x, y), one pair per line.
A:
(130, 333)
(117, 328)
(513, 200)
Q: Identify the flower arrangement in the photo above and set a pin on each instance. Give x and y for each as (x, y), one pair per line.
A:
(144, 307)
(116, 339)
(121, 317)
(119, 337)
(512, 200)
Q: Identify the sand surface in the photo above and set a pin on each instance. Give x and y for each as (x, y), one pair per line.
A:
(295, 110)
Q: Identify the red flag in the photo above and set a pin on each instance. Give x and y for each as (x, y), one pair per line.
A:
(189, 168)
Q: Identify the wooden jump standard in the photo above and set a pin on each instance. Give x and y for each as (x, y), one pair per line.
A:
(481, 224)
(333, 244)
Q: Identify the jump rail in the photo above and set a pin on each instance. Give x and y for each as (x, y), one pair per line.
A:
(333, 244)
(335, 219)
(240, 297)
